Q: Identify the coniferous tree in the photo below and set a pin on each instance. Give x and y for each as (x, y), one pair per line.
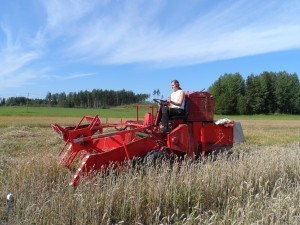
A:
(286, 92)
(266, 80)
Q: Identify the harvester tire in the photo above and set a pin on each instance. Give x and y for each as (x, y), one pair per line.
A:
(155, 157)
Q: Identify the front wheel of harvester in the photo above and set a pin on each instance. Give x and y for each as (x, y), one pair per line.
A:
(155, 157)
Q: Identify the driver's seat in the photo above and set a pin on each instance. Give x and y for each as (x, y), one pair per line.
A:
(186, 112)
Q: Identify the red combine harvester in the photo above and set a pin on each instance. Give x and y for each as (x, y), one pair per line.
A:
(97, 146)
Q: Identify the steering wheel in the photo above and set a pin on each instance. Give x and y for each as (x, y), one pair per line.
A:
(160, 101)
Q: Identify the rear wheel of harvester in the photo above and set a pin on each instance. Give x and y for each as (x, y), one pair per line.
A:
(155, 157)
(217, 153)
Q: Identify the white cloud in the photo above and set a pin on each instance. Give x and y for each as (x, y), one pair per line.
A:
(19, 79)
(14, 57)
(72, 76)
(132, 33)
(13, 61)
(61, 13)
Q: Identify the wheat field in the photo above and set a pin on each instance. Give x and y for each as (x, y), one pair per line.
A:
(258, 184)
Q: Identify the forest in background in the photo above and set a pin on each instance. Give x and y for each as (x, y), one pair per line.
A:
(265, 93)
(96, 98)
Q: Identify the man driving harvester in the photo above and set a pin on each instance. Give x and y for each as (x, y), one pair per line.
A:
(175, 105)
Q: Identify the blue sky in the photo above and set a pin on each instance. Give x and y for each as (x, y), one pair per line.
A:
(72, 45)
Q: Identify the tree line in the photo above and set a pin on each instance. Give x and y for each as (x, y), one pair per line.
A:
(96, 98)
(266, 93)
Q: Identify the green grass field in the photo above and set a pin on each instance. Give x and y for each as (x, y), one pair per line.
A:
(127, 111)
